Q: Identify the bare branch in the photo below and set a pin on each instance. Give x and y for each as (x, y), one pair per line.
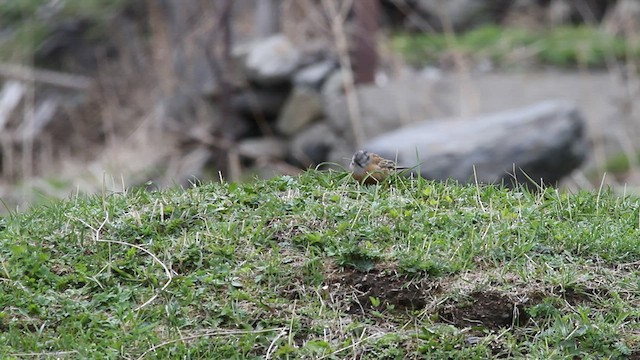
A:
(57, 78)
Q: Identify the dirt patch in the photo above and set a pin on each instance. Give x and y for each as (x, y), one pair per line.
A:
(491, 310)
(383, 289)
(392, 291)
(578, 296)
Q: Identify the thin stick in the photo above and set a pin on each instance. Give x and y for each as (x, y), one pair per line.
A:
(56, 354)
(215, 333)
(282, 333)
(604, 175)
(154, 257)
(352, 345)
(22, 72)
(345, 64)
(475, 177)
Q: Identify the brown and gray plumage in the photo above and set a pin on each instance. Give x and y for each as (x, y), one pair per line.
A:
(370, 168)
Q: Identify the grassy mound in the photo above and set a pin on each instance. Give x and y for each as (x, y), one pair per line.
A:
(318, 266)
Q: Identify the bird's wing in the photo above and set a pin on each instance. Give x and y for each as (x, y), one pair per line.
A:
(387, 164)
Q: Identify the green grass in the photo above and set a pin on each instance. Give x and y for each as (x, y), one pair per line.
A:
(318, 266)
(562, 46)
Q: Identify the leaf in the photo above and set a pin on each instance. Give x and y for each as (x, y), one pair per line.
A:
(235, 282)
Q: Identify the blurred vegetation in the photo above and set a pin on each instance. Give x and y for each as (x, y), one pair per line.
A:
(562, 46)
(618, 164)
(16, 13)
(25, 24)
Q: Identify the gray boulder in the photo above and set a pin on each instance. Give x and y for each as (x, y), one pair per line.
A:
(382, 108)
(264, 147)
(544, 141)
(265, 102)
(333, 86)
(272, 61)
(313, 145)
(461, 14)
(303, 106)
(314, 75)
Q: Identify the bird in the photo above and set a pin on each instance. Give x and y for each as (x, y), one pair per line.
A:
(371, 168)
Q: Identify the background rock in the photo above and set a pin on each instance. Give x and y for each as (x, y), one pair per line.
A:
(314, 75)
(265, 102)
(382, 108)
(545, 141)
(461, 14)
(313, 145)
(264, 147)
(272, 61)
(303, 107)
(333, 85)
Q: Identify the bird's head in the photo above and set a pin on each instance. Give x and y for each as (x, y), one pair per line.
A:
(360, 159)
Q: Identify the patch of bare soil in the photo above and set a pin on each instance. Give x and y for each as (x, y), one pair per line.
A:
(582, 296)
(490, 309)
(393, 291)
